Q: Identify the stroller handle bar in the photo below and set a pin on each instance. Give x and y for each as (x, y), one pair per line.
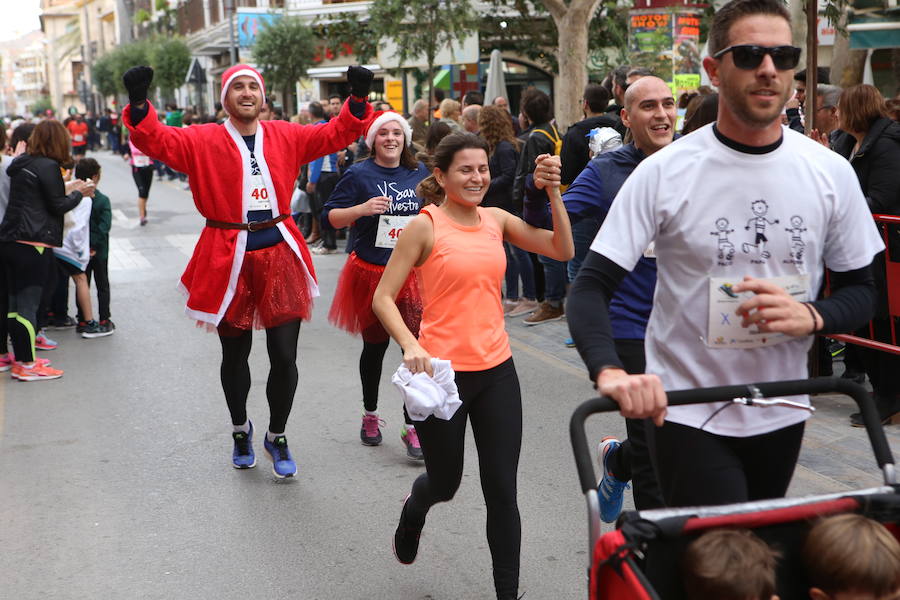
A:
(744, 394)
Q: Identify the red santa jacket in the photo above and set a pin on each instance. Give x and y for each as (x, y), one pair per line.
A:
(216, 159)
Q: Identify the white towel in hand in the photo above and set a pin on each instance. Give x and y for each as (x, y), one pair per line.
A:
(425, 396)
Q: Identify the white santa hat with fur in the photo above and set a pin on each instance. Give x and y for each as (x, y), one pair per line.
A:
(383, 119)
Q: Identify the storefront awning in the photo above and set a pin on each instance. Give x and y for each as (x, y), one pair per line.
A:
(875, 30)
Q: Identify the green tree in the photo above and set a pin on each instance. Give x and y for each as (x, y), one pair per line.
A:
(42, 105)
(105, 75)
(344, 30)
(170, 59)
(284, 50)
(421, 28)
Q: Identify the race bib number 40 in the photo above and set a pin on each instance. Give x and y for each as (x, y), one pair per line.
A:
(725, 330)
(259, 195)
(389, 229)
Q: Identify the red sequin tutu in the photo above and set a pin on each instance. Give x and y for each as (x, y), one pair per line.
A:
(271, 291)
(351, 309)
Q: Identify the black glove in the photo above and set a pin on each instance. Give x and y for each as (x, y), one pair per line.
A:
(360, 80)
(137, 82)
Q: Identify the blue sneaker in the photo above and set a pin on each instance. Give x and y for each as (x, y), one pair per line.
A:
(570, 343)
(283, 464)
(610, 491)
(242, 457)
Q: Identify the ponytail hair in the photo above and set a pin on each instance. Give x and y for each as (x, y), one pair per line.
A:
(429, 189)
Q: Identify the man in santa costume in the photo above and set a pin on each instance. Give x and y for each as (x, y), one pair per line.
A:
(251, 267)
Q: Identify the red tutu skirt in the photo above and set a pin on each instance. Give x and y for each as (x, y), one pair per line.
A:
(271, 291)
(352, 311)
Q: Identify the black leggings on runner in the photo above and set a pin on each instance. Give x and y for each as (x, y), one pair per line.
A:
(143, 179)
(281, 343)
(698, 468)
(493, 402)
(371, 360)
(25, 270)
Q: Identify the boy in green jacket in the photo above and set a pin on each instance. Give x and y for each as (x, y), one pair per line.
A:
(101, 221)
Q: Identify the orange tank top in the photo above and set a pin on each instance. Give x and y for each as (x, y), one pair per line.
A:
(462, 318)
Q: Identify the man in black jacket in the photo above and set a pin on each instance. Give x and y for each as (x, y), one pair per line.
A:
(575, 152)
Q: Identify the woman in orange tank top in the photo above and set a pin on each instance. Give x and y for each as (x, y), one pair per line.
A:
(456, 247)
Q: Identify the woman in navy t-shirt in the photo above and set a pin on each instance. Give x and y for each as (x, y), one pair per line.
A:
(376, 197)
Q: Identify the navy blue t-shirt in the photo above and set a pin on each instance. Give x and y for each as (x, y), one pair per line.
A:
(264, 237)
(366, 180)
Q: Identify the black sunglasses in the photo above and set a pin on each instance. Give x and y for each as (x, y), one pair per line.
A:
(749, 56)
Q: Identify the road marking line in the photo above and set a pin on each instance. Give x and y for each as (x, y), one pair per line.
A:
(185, 242)
(123, 221)
(123, 256)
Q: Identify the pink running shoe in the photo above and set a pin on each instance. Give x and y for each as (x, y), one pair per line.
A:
(42, 342)
(411, 440)
(369, 433)
(6, 361)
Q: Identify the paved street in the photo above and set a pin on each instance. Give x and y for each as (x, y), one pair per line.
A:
(115, 481)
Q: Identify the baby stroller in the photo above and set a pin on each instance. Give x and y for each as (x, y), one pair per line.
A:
(640, 559)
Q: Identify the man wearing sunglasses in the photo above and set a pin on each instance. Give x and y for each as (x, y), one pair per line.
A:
(735, 318)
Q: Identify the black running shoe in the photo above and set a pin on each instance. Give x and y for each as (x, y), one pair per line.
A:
(406, 539)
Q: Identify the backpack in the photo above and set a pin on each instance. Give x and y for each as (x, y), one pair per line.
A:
(557, 141)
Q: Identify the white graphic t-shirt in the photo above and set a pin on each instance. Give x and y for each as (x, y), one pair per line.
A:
(716, 215)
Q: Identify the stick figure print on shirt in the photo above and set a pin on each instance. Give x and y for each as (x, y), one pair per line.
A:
(758, 223)
(726, 248)
(797, 244)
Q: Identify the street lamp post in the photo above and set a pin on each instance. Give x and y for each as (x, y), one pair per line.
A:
(232, 9)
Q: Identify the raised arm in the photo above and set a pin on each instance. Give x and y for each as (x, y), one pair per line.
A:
(556, 244)
(338, 133)
(171, 145)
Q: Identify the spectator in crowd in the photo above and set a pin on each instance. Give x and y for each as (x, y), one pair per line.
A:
(317, 113)
(472, 98)
(873, 149)
(335, 102)
(797, 105)
(575, 153)
(504, 104)
(543, 139)
(851, 557)
(436, 132)
(436, 99)
(827, 129)
(701, 111)
(33, 224)
(267, 112)
(893, 107)
(503, 160)
(450, 114)
(470, 118)
(418, 122)
(729, 564)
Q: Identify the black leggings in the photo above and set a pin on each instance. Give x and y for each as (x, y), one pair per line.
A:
(143, 179)
(632, 461)
(25, 270)
(698, 468)
(493, 402)
(281, 343)
(371, 360)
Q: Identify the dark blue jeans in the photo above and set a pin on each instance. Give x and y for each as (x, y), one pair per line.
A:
(554, 279)
(583, 234)
(518, 264)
